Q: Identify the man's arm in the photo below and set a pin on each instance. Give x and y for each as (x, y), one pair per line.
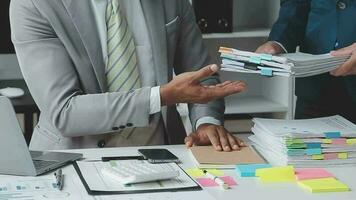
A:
(289, 29)
(191, 55)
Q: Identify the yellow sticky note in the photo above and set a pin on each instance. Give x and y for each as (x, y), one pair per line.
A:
(318, 157)
(327, 141)
(342, 155)
(276, 174)
(324, 185)
(351, 141)
(196, 172)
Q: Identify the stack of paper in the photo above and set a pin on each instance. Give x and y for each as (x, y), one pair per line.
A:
(324, 142)
(297, 64)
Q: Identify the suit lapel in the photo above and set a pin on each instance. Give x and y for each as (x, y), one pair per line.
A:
(83, 19)
(155, 19)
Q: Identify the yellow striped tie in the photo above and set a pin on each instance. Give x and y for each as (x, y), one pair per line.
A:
(121, 71)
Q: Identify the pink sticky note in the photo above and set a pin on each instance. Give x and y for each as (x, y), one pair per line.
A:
(208, 182)
(229, 180)
(312, 173)
(330, 156)
(339, 141)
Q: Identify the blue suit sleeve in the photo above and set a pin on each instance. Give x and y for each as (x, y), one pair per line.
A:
(289, 29)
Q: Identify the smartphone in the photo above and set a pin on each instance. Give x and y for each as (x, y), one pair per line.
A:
(158, 155)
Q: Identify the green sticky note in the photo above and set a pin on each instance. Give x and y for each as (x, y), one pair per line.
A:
(196, 172)
(351, 141)
(276, 174)
(324, 185)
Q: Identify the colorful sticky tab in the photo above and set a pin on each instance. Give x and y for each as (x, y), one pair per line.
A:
(324, 185)
(310, 152)
(342, 155)
(295, 152)
(266, 72)
(327, 141)
(208, 182)
(351, 141)
(331, 135)
(330, 156)
(276, 174)
(312, 173)
(249, 170)
(339, 141)
(313, 145)
(267, 57)
(296, 146)
(318, 157)
(196, 172)
(255, 59)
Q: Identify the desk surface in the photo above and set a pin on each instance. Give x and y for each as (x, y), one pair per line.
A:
(248, 188)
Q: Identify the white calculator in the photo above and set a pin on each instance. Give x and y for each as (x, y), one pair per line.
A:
(139, 171)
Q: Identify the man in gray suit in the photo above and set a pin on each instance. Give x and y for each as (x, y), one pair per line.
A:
(101, 72)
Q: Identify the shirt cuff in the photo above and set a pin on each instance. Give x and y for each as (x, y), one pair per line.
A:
(155, 100)
(281, 45)
(207, 120)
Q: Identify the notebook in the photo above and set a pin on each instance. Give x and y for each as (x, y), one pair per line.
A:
(208, 157)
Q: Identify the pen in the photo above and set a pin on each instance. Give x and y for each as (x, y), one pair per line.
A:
(106, 159)
(217, 180)
(59, 179)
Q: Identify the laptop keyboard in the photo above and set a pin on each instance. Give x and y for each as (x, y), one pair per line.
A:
(39, 164)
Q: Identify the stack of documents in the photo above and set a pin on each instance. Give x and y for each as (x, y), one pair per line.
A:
(296, 64)
(328, 141)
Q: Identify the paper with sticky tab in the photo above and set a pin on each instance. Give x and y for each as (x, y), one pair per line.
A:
(276, 174)
(324, 185)
(312, 173)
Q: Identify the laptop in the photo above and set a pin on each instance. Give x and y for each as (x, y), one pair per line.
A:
(15, 157)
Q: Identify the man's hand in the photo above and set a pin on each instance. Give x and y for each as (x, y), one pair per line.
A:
(216, 135)
(270, 48)
(349, 67)
(186, 88)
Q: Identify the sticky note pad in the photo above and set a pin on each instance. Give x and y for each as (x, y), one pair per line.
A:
(196, 172)
(324, 185)
(276, 174)
(249, 170)
(312, 173)
(208, 182)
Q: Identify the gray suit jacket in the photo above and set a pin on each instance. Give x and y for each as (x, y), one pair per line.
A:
(60, 56)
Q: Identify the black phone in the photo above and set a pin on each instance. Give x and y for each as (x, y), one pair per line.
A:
(158, 155)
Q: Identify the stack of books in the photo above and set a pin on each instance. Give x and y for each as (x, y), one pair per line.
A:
(328, 141)
(296, 64)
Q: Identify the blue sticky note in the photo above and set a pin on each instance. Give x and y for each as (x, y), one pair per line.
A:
(266, 72)
(249, 170)
(311, 152)
(331, 135)
(313, 145)
(254, 59)
(266, 57)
